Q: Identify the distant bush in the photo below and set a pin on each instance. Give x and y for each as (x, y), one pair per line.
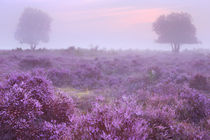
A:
(134, 83)
(31, 63)
(152, 74)
(199, 82)
(42, 50)
(182, 78)
(18, 49)
(59, 78)
(71, 49)
(30, 110)
(86, 76)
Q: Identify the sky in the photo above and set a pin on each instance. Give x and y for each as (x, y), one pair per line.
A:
(109, 24)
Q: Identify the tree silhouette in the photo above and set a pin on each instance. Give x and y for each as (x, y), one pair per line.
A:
(175, 29)
(33, 27)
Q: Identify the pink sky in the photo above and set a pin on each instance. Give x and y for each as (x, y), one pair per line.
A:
(115, 24)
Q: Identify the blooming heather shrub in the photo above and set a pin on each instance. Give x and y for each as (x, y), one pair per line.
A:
(192, 108)
(106, 122)
(59, 110)
(199, 82)
(17, 114)
(35, 86)
(59, 78)
(159, 126)
(124, 119)
(31, 63)
(30, 110)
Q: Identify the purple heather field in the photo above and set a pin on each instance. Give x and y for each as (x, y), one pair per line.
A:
(104, 70)
(95, 94)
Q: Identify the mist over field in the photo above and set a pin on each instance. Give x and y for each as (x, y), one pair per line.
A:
(104, 70)
(119, 24)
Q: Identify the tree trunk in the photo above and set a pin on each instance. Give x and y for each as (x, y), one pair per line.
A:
(175, 47)
(33, 47)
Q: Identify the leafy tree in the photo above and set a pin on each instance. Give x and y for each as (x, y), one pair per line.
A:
(33, 27)
(175, 29)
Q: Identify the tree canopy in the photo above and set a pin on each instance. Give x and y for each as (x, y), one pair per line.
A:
(33, 27)
(175, 29)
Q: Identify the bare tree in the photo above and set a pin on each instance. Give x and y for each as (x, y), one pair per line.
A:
(33, 27)
(175, 29)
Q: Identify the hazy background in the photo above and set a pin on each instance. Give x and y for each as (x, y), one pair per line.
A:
(111, 24)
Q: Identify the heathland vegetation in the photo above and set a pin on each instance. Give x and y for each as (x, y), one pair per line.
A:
(95, 94)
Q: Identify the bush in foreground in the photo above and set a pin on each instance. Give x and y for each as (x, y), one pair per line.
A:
(125, 120)
(192, 108)
(199, 82)
(30, 110)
